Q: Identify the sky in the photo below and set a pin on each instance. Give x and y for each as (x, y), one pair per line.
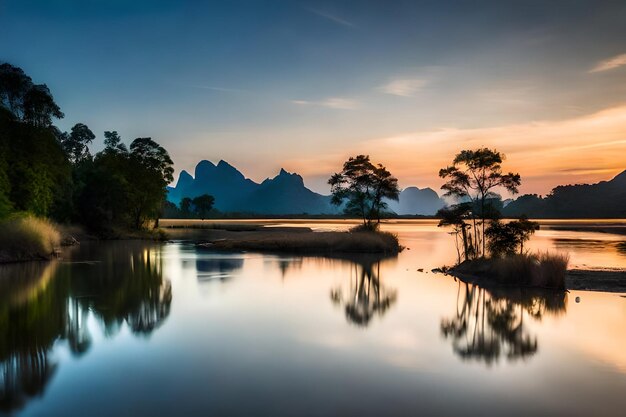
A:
(303, 85)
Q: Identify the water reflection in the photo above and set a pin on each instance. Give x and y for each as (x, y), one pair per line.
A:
(366, 296)
(47, 302)
(491, 323)
(217, 268)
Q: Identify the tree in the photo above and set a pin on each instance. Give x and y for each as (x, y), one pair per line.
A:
(203, 205)
(151, 169)
(39, 106)
(113, 142)
(14, 84)
(474, 175)
(455, 216)
(76, 143)
(505, 238)
(185, 206)
(364, 187)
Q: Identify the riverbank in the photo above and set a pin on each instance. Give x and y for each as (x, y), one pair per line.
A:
(602, 280)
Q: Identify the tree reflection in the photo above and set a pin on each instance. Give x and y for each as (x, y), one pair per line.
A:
(48, 302)
(490, 323)
(366, 296)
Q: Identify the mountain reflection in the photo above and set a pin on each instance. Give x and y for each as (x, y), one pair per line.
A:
(490, 323)
(43, 303)
(366, 296)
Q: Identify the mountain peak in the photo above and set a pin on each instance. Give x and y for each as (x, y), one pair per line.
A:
(620, 178)
(184, 178)
(204, 169)
(223, 164)
(283, 172)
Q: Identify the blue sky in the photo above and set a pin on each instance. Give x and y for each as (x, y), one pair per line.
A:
(302, 85)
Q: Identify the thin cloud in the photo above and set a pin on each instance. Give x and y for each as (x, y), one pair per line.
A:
(403, 87)
(609, 64)
(340, 103)
(220, 89)
(331, 17)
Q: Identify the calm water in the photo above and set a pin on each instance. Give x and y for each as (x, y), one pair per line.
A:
(135, 328)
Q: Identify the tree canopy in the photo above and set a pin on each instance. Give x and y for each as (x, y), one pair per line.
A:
(363, 187)
(476, 175)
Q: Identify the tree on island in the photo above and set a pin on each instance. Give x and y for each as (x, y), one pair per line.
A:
(203, 205)
(474, 175)
(363, 187)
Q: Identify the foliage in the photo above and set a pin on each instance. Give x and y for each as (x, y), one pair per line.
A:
(474, 175)
(39, 170)
(456, 217)
(203, 205)
(363, 187)
(28, 102)
(75, 144)
(507, 238)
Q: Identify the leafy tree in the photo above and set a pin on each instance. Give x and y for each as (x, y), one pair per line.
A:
(505, 238)
(185, 206)
(203, 205)
(151, 169)
(363, 186)
(456, 217)
(38, 167)
(39, 106)
(76, 143)
(113, 142)
(14, 84)
(474, 175)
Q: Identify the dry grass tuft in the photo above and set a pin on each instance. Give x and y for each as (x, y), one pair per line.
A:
(26, 238)
(537, 270)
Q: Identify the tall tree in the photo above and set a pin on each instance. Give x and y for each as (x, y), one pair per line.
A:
(475, 175)
(364, 187)
(39, 106)
(151, 170)
(14, 84)
(76, 143)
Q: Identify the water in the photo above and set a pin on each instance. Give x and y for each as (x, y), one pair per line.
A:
(137, 328)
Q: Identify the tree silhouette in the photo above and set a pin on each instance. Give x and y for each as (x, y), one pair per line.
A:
(474, 174)
(76, 143)
(203, 205)
(363, 186)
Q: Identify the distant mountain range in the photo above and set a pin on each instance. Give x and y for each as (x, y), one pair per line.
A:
(606, 199)
(281, 195)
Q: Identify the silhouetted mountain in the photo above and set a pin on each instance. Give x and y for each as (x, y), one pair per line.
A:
(283, 194)
(605, 199)
(233, 192)
(417, 201)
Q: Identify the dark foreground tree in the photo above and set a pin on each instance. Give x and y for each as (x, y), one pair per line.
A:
(203, 205)
(363, 187)
(151, 169)
(476, 175)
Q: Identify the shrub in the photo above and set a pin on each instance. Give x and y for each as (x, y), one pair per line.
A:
(25, 238)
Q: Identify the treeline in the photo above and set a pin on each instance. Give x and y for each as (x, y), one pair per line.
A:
(51, 173)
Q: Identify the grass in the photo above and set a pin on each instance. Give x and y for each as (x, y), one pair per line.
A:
(546, 270)
(27, 238)
(312, 242)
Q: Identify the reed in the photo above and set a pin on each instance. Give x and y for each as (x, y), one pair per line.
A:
(26, 238)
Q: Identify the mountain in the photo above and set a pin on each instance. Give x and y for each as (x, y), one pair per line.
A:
(233, 192)
(281, 195)
(606, 199)
(413, 200)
